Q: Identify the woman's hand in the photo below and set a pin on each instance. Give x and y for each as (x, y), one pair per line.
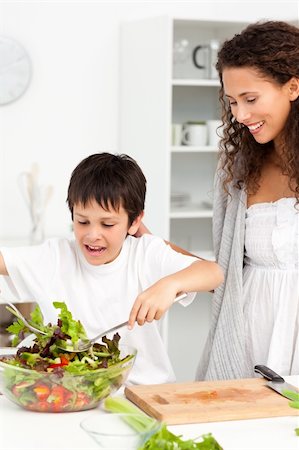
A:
(142, 230)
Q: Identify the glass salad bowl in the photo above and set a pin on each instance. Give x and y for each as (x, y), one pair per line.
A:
(64, 387)
(45, 376)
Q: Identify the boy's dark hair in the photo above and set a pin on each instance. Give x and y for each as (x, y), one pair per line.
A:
(111, 180)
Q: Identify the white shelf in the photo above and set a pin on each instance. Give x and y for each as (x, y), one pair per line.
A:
(195, 82)
(190, 213)
(194, 149)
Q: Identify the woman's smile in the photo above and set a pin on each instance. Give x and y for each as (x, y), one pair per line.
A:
(255, 127)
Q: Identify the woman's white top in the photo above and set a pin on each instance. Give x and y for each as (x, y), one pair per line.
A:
(271, 285)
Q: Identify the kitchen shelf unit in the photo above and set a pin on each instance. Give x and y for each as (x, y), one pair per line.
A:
(152, 97)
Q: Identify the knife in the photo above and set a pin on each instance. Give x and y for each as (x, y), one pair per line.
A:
(277, 383)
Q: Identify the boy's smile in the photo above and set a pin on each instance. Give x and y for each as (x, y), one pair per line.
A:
(100, 233)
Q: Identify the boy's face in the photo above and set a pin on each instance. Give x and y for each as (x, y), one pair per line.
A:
(99, 233)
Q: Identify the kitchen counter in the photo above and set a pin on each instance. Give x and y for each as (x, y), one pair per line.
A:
(26, 430)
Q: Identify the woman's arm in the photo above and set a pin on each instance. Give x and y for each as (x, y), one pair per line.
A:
(181, 250)
(144, 230)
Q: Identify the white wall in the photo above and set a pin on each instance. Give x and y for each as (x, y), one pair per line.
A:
(71, 107)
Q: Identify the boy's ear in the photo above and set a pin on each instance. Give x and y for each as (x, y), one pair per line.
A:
(136, 223)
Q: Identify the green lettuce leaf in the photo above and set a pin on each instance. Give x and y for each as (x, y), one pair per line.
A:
(69, 326)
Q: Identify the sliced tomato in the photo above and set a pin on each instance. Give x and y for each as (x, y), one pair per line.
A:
(42, 391)
(82, 400)
(63, 362)
(59, 397)
(40, 406)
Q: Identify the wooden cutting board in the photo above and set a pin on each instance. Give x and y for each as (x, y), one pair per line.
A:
(210, 401)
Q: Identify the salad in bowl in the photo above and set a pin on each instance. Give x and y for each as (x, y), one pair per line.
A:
(44, 377)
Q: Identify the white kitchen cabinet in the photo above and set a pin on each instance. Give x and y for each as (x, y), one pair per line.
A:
(160, 86)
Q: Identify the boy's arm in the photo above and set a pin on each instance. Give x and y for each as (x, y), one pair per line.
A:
(3, 270)
(152, 303)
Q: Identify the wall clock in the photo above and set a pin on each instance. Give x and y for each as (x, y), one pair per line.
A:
(15, 70)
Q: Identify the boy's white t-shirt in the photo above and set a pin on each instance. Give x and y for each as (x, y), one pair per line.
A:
(100, 296)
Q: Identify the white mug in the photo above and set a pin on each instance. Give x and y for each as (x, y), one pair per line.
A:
(195, 134)
(214, 132)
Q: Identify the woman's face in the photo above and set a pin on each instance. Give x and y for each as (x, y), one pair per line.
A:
(258, 103)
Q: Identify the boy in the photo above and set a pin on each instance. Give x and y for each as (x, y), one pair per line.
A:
(106, 275)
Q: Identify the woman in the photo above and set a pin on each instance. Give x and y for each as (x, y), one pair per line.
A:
(256, 206)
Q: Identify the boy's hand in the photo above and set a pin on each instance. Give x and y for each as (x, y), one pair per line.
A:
(152, 303)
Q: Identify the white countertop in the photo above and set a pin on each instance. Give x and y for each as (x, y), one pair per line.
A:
(26, 430)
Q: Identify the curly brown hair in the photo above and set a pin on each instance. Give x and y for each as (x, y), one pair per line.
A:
(271, 48)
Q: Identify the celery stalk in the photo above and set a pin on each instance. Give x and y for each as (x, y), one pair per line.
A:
(159, 437)
(294, 396)
(141, 422)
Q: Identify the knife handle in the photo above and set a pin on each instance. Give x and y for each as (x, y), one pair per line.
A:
(268, 373)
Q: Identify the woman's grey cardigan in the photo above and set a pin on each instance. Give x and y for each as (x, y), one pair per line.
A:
(224, 356)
